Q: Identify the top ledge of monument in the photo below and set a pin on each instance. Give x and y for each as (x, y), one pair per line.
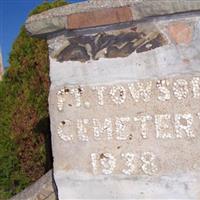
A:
(94, 13)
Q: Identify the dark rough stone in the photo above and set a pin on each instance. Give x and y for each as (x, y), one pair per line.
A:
(74, 52)
(111, 45)
(152, 44)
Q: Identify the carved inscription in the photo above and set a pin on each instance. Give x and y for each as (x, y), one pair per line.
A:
(160, 110)
(117, 129)
(107, 163)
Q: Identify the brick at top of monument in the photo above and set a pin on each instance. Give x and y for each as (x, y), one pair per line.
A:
(148, 127)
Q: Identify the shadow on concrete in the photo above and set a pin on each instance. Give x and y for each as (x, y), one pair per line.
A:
(43, 127)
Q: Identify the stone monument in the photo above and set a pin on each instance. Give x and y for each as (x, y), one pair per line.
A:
(124, 100)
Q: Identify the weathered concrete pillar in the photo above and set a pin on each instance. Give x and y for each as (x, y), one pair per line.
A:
(124, 100)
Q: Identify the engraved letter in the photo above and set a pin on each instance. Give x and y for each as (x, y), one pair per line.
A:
(120, 128)
(139, 90)
(77, 95)
(60, 100)
(94, 162)
(162, 126)
(183, 125)
(129, 163)
(62, 134)
(118, 94)
(149, 166)
(100, 91)
(162, 87)
(101, 129)
(196, 87)
(108, 161)
(143, 120)
(82, 131)
(180, 89)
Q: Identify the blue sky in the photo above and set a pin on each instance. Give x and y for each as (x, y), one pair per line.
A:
(13, 14)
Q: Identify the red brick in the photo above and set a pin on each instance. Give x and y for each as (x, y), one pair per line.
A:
(180, 32)
(99, 17)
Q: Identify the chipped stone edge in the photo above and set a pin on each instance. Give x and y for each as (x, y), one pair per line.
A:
(41, 189)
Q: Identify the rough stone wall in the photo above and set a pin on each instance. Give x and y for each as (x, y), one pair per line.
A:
(124, 100)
